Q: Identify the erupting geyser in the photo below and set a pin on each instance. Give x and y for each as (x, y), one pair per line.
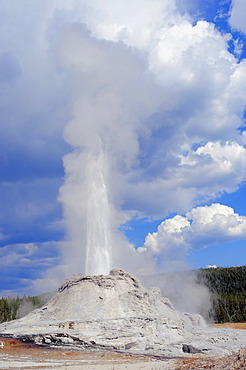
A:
(99, 240)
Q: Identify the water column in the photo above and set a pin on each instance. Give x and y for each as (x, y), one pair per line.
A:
(99, 241)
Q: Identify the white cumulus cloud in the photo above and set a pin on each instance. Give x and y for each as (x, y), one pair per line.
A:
(237, 17)
(199, 228)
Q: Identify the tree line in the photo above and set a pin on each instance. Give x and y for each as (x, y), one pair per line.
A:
(14, 308)
(227, 286)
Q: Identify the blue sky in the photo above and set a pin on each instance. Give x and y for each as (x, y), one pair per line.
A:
(158, 89)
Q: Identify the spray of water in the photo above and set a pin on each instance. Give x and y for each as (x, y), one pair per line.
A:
(132, 105)
(99, 240)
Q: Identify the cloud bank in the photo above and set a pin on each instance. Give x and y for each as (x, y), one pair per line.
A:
(236, 18)
(199, 228)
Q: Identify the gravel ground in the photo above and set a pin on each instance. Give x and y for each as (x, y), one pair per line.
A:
(233, 362)
(17, 355)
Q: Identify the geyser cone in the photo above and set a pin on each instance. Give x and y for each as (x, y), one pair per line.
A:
(115, 311)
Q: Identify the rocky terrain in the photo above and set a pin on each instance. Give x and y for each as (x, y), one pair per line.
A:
(16, 355)
(237, 361)
(114, 312)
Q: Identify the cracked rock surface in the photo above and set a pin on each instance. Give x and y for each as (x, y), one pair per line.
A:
(115, 312)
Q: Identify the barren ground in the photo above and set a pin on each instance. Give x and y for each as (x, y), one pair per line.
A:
(234, 325)
(17, 355)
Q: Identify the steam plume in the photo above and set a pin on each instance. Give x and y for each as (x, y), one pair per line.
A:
(146, 125)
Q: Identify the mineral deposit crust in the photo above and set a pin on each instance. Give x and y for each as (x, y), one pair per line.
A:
(115, 312)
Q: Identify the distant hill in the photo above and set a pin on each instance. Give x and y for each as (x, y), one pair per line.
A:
(228, 292)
